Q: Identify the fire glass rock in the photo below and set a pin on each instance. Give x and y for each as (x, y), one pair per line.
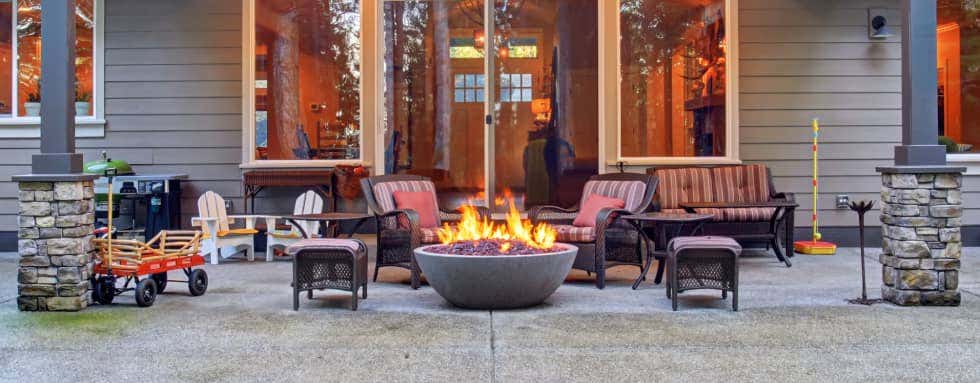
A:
(488, 247)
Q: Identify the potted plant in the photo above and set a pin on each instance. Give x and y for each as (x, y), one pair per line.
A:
(83, 103)
(33, 105)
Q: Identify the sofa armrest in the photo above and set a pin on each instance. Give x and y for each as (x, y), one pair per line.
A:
(789, 197)
(538, 213)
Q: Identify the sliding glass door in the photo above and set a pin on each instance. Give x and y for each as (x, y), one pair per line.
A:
(521, 120)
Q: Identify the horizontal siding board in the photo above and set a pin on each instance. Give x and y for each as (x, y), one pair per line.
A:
(823, 84)
(820, 67)
(179, 39)
(169, 9)
(828, 134)
(827, 117)
(821, 51)
(190, 21)
(817, 5)
(809, 101)
(174, 123)
(179, 106)
(210, 72)
(812, 17)
(174, 56)
(173, 89)
(187, 139)
(806, 35)
(828, 151)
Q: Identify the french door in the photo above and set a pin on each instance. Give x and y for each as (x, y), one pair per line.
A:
(492, 109)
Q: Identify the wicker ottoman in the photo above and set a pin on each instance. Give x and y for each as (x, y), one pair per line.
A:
(695, 263)
(329, 263)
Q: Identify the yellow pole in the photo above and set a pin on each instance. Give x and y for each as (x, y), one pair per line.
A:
(816, 187)
(108, 256)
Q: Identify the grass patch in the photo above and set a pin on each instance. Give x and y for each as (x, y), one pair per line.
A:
(108, 322)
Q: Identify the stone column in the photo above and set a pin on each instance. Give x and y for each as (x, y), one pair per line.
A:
(55, 244)
(920, 216)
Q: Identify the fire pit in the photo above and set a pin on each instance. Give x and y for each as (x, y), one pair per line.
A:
(482, 265)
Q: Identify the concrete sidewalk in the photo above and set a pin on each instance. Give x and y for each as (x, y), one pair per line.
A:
(794, 325)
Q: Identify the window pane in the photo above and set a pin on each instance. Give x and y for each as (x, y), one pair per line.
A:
(958, 48)
(460, 95)
(6, 58)
(505, 94)
(309, 56)
(29, 56)
(460, 82)
(470, 95)
(470, 81)
(672, 92)
(480, 95)
(526, 95)
(526, 80)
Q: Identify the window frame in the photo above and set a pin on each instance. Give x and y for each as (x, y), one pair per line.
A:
(731, 99)
(248, 96)
(85, 126)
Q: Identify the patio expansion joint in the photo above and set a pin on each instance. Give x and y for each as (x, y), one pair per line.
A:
(493, 351)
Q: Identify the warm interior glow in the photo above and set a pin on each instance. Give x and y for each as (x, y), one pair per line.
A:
(472, 228)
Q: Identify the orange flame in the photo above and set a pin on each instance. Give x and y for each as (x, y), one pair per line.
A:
(472, 228)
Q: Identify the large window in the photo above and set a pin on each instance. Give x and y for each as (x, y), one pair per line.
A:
(20, 59)
(673, 94)
(958, 43)
(307, 80)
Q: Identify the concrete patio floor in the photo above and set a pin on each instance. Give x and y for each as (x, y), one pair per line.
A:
(794, 325)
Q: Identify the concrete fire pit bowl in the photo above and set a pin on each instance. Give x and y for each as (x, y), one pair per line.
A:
(496, 282)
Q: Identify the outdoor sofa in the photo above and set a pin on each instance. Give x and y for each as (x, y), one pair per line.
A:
(731, 192)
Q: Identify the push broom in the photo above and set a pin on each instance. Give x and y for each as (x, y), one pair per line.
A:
(815, 246)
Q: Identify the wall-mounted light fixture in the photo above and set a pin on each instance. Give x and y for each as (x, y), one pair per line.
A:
(878, 28)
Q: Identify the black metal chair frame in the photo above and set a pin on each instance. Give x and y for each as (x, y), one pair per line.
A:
(396, 246)
(616, 243)
(323, 268)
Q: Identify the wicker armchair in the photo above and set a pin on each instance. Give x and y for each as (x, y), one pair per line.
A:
(398, 230)
(611, 242)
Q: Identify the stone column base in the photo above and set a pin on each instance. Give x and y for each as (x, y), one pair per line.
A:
(921, 214)
(55, 243)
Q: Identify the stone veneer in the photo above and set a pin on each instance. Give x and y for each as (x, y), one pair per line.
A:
(55, 244)
(921, 218)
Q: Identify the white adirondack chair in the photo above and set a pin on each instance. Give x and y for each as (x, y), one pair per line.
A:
(218, 234)
(307, 203)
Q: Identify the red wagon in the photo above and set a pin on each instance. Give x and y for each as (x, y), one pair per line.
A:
(145, 265)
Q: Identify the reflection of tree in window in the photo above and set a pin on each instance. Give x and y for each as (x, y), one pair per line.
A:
(29, 54)
(308, 56)
(672, 57)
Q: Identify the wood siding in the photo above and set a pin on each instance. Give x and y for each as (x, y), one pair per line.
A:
(173, 98)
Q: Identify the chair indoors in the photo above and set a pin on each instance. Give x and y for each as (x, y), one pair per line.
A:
(408, 216)
(218, 234)
(604, 241)
(307, 203)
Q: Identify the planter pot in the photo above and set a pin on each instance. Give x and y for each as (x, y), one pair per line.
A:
(496, 282)
(82, 108)
(32, 109)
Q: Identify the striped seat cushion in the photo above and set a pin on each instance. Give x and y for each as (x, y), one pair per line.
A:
(631, 192)
(384, 194)
(752, 214)
(743, 183)
(569, 233)
(679, 185)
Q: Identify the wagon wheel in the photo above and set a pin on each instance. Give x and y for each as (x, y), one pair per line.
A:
(161, 280)
(146, 292)
(197, 282)
(103, 290)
